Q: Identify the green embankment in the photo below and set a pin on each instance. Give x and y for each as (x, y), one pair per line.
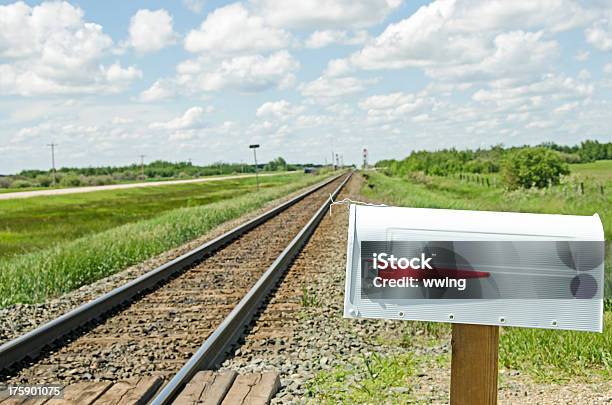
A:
(31, 224)
(126, 228)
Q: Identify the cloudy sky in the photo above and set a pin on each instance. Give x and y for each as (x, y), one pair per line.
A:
(200, 80)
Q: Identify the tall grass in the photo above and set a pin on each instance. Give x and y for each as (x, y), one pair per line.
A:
(553, 355)
(36, 276)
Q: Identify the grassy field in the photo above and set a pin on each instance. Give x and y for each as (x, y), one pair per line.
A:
(119, 229)
(545, 355)
(36, 223)
(600, 170)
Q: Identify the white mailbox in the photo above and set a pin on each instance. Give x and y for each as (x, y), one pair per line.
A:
(475, 267)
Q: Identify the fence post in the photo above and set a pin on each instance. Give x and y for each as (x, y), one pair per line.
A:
(474, 364)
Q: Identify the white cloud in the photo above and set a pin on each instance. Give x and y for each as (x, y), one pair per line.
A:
(514, 54)
(244, 73)
(600, 33)
(116, 74)
(325, 13)
(338, 67)
(321, 39)
(151, 31)
(608, 68)
(193, 118)
(397, 106)
(584, 74)
(473, 36)
(330, 87)
(537, 95)
(194, 5)
(49, 49)
(566, 107)
(251, 73)
(160, 90)
(582, 55)
(281, 109)
(232, 29)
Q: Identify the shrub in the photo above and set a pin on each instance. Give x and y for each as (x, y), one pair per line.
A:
(70, 180)
(21, 184)
(43, 180)
(100, 180)
(5, 182)
(533, 167)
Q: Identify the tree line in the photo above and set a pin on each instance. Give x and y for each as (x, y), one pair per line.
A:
(523, 166)
(159, 169)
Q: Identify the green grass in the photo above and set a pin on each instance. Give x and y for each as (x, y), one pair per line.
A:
(600, 170)
(552, 355)
(31, 224)
(371, 379)
(19, 190)
(38, 275)
(544, 354)
(446, 192)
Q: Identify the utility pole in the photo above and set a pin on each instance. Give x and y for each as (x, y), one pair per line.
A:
(365, 158)
(332, 153)
(52, 146)
(142, 176)
(254, 147)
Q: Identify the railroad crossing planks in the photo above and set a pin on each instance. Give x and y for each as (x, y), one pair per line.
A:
(229, 388)
(253, 389)
(207, 387)
(134, 391)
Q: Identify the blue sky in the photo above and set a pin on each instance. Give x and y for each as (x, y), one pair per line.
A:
(200, 80)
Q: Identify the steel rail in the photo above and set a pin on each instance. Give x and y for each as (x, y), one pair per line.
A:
(33, 342)
(215, 347)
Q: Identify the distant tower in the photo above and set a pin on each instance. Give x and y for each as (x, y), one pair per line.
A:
(365, 158)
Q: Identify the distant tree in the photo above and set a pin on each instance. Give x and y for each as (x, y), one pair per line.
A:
(277, 164)
(21, 184)
(44, 180)
(593, 150)
(70, 180)
(533, 167)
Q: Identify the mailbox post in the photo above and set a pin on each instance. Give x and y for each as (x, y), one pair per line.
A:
(474, 364)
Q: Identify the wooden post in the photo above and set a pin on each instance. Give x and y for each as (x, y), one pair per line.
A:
(474, 364)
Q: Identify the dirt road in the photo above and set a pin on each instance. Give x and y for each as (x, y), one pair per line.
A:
(89, 189)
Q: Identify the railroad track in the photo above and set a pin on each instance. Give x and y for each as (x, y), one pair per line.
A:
(155, 325)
